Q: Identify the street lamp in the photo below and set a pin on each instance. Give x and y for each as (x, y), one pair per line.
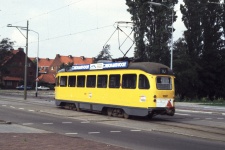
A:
(36, 89)
(25, 70)
(171, 58)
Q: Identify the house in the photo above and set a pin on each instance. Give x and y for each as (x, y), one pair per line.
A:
(66, 60)
(56, 64)
(43, 64)
(13, 73)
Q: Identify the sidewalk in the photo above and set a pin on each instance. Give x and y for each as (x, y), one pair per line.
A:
(17, 137)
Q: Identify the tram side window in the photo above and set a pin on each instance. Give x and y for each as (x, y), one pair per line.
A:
(114, 81)
(163, 83)
(91, 81)
(102, 81)
(72, 81)
(57, 81)
(143, 82)
(63, 81)
(129, 81)
(80, 81)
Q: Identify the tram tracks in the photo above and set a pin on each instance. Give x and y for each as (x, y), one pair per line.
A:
(200, 128)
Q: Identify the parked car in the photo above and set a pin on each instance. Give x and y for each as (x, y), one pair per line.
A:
(21, 87)
(43, 88)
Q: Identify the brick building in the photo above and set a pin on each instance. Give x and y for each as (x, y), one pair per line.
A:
(13, 73)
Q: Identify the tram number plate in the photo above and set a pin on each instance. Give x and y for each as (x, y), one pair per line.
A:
(161, 102)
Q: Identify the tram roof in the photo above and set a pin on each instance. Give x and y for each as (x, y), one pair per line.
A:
(149, 67)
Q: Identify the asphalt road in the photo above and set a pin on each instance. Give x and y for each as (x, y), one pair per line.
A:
(178, 132)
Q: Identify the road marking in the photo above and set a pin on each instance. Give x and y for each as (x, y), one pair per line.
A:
(66, 122)
(85, 122)
(93, 132)
(220, 118)
(47, 123)
(115, 131)
(196, 118)
(21, 108)
(71, 133)
(223, 114)
(4, 105)
(182, 114)
(135, 130)
(12, 107)
(25, 124)
(208, 118)
(195, 111)
(31, 110)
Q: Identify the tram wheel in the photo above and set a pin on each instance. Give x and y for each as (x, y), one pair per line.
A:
(109, 111)
(125, 115)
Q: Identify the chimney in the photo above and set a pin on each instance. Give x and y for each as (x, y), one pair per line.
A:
(82, 57)
(21, 49)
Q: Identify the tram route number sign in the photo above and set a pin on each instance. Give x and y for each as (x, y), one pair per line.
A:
(99, 66)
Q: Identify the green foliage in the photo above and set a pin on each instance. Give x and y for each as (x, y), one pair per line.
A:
(104, 54)
(5, 46)
(66, 65)
(199, 57)
(152, 35)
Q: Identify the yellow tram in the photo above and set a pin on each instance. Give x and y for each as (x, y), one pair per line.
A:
(117, 88)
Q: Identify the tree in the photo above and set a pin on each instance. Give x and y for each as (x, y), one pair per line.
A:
(66, 66)
(104, 54)
(5, 46)
(185, 71)
(203, 21)
(152, 35)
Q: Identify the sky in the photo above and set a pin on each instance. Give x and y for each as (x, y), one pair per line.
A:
(71, 27)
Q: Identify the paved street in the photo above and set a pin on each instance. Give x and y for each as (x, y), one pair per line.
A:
(199, 125)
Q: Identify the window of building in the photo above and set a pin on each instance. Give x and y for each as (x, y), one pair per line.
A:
(72, 81)
(163, 83)
(80, 81)
(114, 81)
(91, 81)
(129, 81)
(102, 81)
(143, 82)
(63, 81)
(9, 83)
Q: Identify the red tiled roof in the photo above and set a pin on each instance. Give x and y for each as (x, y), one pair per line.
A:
(15, 51)
(7, 78)
(75, 60)
(44, 62)
(48, 78)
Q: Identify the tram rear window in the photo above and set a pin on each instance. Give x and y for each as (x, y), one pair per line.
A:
(163, 83)
(63, 81)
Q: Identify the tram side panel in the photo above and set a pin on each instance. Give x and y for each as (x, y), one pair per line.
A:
(134, 101)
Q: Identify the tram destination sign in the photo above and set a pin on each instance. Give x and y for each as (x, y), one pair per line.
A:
(99, 66)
